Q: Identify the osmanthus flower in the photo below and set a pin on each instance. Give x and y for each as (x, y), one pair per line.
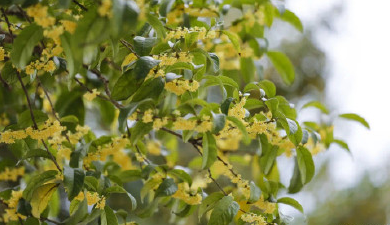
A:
(89, 96)
(11, 174)
(159, 59)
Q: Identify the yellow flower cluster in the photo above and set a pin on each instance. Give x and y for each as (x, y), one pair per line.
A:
(205, 125)
(238, 110)
(115, 149)
(179, 86)
(105, 8)
(92, 199)
(210, 11)
(4, 121)
(182, 32)
(69, 26)
(2, 54)
(185, 194)
(148, 116)
(40, 15)
(158, 123)
(267, 207)
(49, 129)
(166, 60)
(11, 213)
(253, 218)
(54, 33)
(89, 96)
(129, 59)
(314, 148)
(75, 137)
(257, 127)
(154, 147)
(176, 15)
(235, 178)
(11, 174)
(49, 66)
(183, 124)
(153, 74)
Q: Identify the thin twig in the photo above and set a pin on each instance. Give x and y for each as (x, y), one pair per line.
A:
(51, 105)
(219, 186)
(100, 96)
(34, 121)
(106, 87)
(80, 5)
(6, 85)
(8, 24)
(129, 46)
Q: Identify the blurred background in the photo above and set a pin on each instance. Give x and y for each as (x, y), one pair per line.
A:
(341, 59)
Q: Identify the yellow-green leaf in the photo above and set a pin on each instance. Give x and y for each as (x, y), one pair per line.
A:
(41, 198)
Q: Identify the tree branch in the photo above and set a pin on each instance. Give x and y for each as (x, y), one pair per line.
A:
(129, 46)
(80, 5)
(34, 121)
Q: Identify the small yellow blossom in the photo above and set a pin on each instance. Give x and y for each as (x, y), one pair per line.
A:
(179, 86)
(105, 8)
(148, 116)
(184, 193)
(69, 26)
(253, 219)
(39, 13)
(183, 124)
(158, 123)
(89, 96)
(2, 53)
(154, 147)
(11, 174)
(50, 66)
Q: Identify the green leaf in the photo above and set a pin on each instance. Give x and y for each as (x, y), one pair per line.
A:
(295, 181)
(209, 150)
(36, 181)
(70, 103)
(143, 45)
(157, 25)
(342, 144)
(317, 105)
(305, 164)
(355, 117)
(139, 131)
(283, 65)
(291, 18)
(268, 159)
(25, 120)
(181, 174)
(209, 202)
(225, 105)
(79, 214)
(224, 211)
(32, 221)
(125, 86)
(36, 152)
(41, 197)
(272, 104)
(179, 66)
(268, 87)
(292, 202)
(166, 188)
(248, 69)
(219, 121)
(150, 89)
(255, 193)
(143, 65)
(252, 103)
(109, 217)
(234, 39)
(241, 127)
(24, 44)
(73, 180)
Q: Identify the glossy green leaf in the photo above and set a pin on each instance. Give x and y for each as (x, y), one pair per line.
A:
(73, 180)
(224, 211)
(305, 164)
(209, 150)
(355, 117)
(292, 202)
(24, 44)
(283, 65)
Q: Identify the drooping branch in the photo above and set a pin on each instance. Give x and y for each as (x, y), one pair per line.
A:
(35, 125)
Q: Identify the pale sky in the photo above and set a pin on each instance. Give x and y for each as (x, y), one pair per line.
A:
(358, 81)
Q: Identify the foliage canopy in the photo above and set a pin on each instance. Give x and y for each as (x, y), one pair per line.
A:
(178, 105)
